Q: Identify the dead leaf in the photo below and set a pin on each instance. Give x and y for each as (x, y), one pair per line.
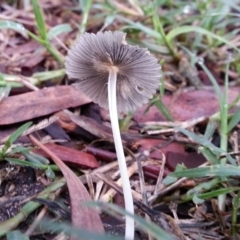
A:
(152, 171)
(82, 216)
(189, 105)
(90, 125)
(189, 159)
(24, 48)
(70, 155)
(104, 155)
(148, 143)
(39, 103)
(175, 154)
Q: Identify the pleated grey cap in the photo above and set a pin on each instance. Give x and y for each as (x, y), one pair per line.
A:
(88, 63)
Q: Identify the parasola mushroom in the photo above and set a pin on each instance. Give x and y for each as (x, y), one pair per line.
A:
(118, 77)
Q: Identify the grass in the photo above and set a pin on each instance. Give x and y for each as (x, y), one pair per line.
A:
(208, 30)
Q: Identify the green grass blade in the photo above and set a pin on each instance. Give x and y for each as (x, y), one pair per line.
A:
(215, 85)
(24, 163)
(204, 186)
(5, 24)
(234, 120)
(210, 129)
(161, 107)
(235, 214)
(35, 158)
(164, 110)
(215, 170)
(61, 28)
(43, 32)
(18, 27)
(140, 26)
(35, 79)
(39, 19)
(31, 156)
(56, 227)
(14, 136)
(50, 173)
(86, 6)
(224, 130)
(30, 164)
(4, 92)
(159, 28)
(186, 29)
(201, 140)
(209, 155)
(16, 235)
(216, 193)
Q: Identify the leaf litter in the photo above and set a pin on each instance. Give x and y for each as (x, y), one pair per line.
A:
(81, 136)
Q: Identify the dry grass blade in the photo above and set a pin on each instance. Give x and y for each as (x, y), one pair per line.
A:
(82, 216)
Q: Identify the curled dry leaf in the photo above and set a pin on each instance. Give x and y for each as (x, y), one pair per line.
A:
(82, 216)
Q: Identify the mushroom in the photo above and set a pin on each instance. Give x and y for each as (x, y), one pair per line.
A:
(118, 77)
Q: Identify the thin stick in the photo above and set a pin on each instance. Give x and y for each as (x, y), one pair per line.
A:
(128, 199)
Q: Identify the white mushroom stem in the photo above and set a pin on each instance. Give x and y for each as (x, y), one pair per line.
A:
(128, 199)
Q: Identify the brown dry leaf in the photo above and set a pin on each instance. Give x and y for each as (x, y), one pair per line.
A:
(189, 159)
(82, 216)
(104, 155)
(175, 154)
(35, 104)
(89, 125)
(152, 171)
(70, 155)
(27, 47)
(148, 143)
(189, 105)
(31, 61)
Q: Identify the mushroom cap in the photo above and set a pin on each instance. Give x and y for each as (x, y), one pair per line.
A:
(89, 61)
